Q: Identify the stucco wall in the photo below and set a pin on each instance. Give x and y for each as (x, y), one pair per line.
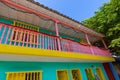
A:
(49, 69)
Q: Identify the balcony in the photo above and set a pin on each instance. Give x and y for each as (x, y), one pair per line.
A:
(31, 40)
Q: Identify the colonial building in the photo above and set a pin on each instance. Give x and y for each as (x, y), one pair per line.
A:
(38, 43)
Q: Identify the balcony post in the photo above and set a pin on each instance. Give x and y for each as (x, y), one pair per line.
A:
(57, 34)
(88, 41)
(104, 44)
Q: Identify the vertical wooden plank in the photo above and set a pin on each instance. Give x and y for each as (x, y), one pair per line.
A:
(11, 38)
(37, 40)
(30, 39)
(34, 76)
(14, 23)
(30, 75)
(12, 78)
(16, 76)
(20, 76)
(43, 42)
(7, 76)
(8, 33)
(27, 76)
(3, 34)
(48, 42)
(16, 36)
(23, 38)
(24, 74)
(39, 77)
(55, 44)
(34, 39)
(52, 41)
(27, 39)
(20, 39)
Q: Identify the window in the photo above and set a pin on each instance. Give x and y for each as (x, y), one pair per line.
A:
(24, 76)
(25, 25)
(100, 73)
(89, 74)
(76, 74)
(62, 75)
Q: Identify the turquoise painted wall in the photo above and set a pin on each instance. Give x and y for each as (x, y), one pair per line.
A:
(49, 69)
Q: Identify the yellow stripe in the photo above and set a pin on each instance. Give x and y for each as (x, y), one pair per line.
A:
(9, 49)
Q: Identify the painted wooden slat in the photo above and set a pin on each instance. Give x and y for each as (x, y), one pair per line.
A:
(30, 39)
(34, 77)
(3, 34)
(16, 36)
(20, 39)
(49, 43)
(27, 76)
(34, 40)
(37, 40)
(11, 38)
(27, 42)
(7, 76)
(23, 42)
(42, 43)
(8, 33)
(55, 44)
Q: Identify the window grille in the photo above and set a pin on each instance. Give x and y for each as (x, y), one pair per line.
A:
(76, 75)
(24, 76)
(62, 75)
(25, 25)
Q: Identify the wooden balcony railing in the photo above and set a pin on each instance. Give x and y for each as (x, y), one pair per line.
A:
(17, 36)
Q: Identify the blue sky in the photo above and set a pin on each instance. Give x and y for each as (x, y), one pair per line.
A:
(76, 9)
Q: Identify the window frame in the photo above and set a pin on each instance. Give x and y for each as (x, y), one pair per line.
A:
(61, 70)
(24, 72)
(79, 73)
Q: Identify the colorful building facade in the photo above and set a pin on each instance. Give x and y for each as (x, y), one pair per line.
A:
(37, 43)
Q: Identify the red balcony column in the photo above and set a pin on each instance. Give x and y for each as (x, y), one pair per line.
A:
(88, 41)
(104, 44)
(57, 34)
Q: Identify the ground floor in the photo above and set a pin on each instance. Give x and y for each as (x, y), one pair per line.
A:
(51, 71)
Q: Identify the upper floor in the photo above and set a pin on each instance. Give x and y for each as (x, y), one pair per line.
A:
(27, 31)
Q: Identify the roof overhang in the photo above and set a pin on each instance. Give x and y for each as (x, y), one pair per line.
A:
(42, 16)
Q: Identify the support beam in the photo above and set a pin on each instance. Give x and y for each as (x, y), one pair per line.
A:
(104, 44)
(88, 41)
(57, 34)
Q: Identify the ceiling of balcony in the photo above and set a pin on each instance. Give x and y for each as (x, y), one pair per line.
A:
(14, 13)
